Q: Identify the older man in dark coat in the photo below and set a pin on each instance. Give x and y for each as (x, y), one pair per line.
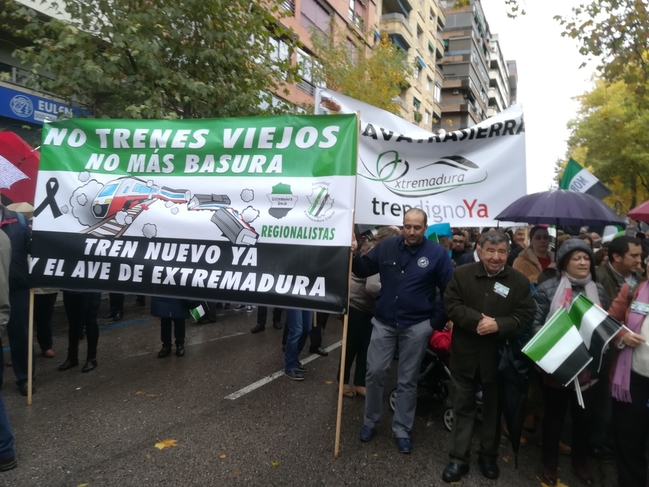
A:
(488, 303)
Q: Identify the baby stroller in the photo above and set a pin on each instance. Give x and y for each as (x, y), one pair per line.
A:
(434, 379)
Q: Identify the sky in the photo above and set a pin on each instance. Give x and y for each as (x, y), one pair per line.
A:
(548, 79)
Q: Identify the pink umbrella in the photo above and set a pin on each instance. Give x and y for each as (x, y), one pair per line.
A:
(640, 213)
(23, 156)
(9, 174)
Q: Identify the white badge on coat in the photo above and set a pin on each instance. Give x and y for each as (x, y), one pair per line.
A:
(423, 262)
(500, 289)
(640, 308)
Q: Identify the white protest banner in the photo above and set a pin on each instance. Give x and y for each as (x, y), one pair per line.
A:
(465, 177)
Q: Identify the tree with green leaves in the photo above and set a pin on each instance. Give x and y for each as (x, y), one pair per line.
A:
(376, 79)
(612, 126)
(610, 136)
(158, 59)
(613, 33)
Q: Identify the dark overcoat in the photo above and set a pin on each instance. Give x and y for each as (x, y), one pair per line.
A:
(472, 292)
(169, 308)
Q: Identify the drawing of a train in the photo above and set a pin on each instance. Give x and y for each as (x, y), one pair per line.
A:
(124, 193)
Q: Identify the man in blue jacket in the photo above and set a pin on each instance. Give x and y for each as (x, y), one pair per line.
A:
(412, 269)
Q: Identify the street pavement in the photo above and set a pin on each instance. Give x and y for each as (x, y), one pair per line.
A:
(101, 428)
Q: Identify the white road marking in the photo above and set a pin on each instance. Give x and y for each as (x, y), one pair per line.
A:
(272, 377)
(190, 344)
(221, 338)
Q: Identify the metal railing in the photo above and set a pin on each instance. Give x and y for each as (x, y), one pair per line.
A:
(307, 87)
(289, 6)
(357, 20)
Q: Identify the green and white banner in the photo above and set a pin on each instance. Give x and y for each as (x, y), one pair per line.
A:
(255, 210)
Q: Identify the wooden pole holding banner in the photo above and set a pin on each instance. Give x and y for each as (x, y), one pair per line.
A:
(343, 349)
(343, 352)
(30, 349)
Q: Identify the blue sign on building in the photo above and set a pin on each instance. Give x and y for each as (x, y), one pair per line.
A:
(33, 109)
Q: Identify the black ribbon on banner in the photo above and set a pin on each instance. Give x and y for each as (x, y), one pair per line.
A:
(51, 188)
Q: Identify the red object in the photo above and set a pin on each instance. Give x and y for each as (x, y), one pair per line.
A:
(640, 213)
(545, 262)
(25, 158)
(440, 341)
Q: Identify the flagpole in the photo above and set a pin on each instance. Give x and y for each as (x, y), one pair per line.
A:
(580, 398)
(622, 202)
(343, 350)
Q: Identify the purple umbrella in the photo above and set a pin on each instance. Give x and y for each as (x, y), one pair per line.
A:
(560, 207)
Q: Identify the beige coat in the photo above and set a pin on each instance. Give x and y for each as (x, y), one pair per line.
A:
(528, 264)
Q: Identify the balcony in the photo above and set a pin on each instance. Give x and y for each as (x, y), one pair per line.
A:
(397, 6)
(357, 20)
(439, 72)
(395, 21)
(453, 107)
(398, 30)
(289, 6)
(402, 103)
(496, 100)
(306, 87)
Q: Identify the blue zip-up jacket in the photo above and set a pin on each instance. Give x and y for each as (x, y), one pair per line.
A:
(410, 278)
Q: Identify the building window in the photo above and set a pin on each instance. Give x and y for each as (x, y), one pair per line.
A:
(420, 33)
(355, 15)
(279, 51)
(417, 72)
(437, 94)
(426, 117)
(308, 69)
(431, 16)
(314, 14)
(429, 84)
(416, 104)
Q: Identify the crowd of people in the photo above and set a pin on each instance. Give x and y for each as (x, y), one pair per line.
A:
(469, 293)
(495, 286)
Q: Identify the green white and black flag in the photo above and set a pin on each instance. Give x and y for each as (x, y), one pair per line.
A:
(559, 349)
(576, 178)
(595, 326)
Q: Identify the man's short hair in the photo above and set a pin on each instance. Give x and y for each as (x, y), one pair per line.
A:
(620, 246)
(419, 211)
(459, 233)
(495, 238)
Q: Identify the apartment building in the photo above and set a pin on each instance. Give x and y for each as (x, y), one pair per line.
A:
(478, 83)
(501, 83)
(416, 27)
(353, 18)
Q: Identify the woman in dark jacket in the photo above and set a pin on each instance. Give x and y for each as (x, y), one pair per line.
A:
(81, 309)
(576, 265)
(170, 310)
